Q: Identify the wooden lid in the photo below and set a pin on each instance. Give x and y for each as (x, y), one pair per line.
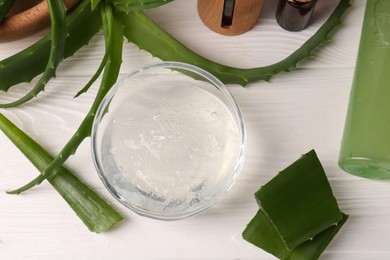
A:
(244, 15)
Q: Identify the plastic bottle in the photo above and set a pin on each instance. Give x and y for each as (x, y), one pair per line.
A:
(365, 149)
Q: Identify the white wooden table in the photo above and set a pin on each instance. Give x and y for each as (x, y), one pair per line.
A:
(294, 113)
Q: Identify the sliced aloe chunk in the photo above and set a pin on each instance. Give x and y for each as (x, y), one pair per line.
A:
(312, 249)
(299, 201)
(262, 233)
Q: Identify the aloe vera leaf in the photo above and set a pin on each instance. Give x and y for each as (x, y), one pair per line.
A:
(128, 6)
(107, 37)
(147, 35)
(110, 76)
(5, 6)
(82, 23)
(261, 232)
(59, 34)
(312, 249)
(94, 4)
(299, 201)
(94, 211)
(97, 73)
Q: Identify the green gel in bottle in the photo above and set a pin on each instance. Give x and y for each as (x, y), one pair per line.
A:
(365, 148)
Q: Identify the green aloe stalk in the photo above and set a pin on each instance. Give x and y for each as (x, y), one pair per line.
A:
(147, 35)
(58, 37)
(94, 211)
(107, 23)
(129, 6)
(82, 25)
(114, 28)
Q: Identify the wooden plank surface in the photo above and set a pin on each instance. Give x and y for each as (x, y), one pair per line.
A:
(294, 113)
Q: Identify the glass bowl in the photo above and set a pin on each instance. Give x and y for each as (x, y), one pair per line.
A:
(168, 140)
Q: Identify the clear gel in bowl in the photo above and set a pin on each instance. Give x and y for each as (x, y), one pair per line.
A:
(168, 140)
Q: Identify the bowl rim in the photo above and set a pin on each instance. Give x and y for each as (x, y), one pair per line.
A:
(236, 112)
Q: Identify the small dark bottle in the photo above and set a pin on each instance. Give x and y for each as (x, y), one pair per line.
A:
(294, 15)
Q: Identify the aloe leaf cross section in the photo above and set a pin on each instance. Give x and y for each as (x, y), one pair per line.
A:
(298, 213)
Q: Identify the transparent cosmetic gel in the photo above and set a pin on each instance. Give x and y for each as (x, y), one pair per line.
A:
(166, 145)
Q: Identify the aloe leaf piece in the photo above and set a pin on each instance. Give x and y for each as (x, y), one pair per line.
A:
(312, 249)
(94, 211)
(299, 201)
(5, 6)
(107, 23)
(262, 233)
(128, 6)
(110, 76)
(59, 34)
(147, 35)
(27, 64)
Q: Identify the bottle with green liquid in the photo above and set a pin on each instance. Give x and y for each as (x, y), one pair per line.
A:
(365, 148)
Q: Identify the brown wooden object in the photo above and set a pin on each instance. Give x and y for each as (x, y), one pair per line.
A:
(230, 17)
(26, 18)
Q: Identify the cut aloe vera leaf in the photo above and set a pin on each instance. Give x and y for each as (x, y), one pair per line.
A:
(261, 232)
(97, 214)
(313, 249)
(299, 201)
